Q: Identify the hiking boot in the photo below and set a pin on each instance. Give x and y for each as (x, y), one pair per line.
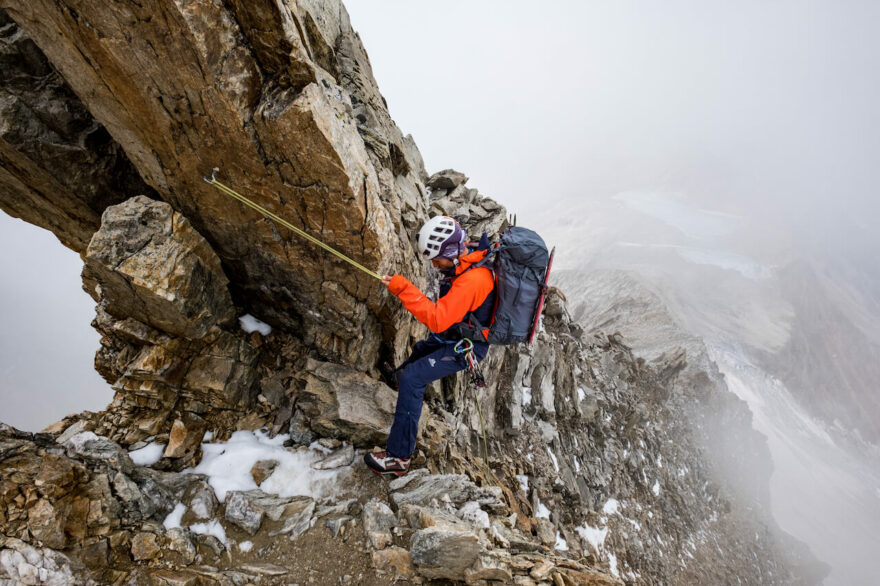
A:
(385, 463)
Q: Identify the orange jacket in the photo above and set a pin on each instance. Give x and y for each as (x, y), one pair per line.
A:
(468, 292)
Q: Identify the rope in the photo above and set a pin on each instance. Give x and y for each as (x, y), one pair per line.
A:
(466, 347)
(234, 194)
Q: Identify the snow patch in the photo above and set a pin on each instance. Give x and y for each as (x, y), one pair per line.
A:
(523, 482)
(172, 521)
(147, 455)
(612, 563)
(251, 324)
(245, 546)
(581, 394)
(542, 512)
(561, 544)
(611, 506)
(212, 527)
(656, 488)
(228, 467)
(527, 396)
(592, 535)
(553, 457)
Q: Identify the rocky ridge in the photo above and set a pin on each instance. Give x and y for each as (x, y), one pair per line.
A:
(593, 474)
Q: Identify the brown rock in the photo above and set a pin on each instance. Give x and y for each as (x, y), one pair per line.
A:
(541, 570)
(262, 470)
(394, 559)
(440, 553)
(46, 524)
(145, 546)
(186, 437)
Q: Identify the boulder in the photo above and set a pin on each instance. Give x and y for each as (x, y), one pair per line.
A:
(153, 266)
(447, 179)
(185, 437)
(394, 560)
(378, 521)
(441, 553)
(346, 404)
(262, 470)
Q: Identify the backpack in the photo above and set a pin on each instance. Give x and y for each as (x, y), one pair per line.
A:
(520, 265)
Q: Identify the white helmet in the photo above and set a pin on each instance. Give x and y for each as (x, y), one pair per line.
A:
(436, 236)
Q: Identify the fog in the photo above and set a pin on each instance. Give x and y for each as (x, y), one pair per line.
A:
(760, 112)
(726, 153)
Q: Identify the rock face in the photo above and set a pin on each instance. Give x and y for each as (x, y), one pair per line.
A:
(59, 168)
(595, 471)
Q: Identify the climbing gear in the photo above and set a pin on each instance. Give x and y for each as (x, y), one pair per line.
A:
(212, 180)
(385, 463)
(466, 347)
(544, 287)
(521, 266)
(441, 236)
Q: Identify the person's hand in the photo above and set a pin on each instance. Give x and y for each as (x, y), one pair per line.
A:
(386, 279)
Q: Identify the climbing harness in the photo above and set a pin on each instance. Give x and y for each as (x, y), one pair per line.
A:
(212, 180)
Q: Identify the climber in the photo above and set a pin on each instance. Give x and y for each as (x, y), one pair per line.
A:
(463, 293)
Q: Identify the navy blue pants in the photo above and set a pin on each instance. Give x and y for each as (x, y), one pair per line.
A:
(430, 360)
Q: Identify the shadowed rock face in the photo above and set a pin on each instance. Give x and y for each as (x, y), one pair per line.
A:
(59, 168)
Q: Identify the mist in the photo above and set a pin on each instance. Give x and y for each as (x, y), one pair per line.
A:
(726, 155)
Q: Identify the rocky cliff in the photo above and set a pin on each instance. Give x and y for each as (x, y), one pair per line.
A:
(111, 115)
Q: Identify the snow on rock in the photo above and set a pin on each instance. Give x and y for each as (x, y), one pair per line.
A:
(612, 564)
(592, 535)
(656, 488)
(174, 518)
(611, 507)
(523, 482)
(251, 324)
(553, 458)
(471, 512)
(542, 512)
(228, 467)
(561, 544)
(147, 455)
(245, 546)
(527, 396)
(212, 527)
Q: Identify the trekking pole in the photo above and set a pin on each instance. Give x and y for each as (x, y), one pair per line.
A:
(212, 180)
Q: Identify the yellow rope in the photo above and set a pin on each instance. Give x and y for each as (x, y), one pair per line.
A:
(234, 194)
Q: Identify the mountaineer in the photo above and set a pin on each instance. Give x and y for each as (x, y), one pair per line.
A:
(467, 297)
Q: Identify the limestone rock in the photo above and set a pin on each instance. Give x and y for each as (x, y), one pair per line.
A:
(439, 553)
(378, 520)
(240, 511)
(153, 266)
(456, 487)
(22, 563)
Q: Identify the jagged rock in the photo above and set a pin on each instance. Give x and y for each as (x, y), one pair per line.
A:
(22, 563)
(440, 553)
(94, 447)
(394, 559)
(185, 437)
(179, 541)
(297, 518)
(341, 457)
(546, 531)
(145, 546)
(494, 566)
(154, 267)
(447, 179)
(240, 511)
(201, 502)
(262, 470)
(419, 517)
(337, 524)
(456, 487)
(346, 404)
(473, 514)
(378, 521)
(161, 577)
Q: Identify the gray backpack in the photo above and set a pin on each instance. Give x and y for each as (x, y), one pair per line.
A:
(521, 266)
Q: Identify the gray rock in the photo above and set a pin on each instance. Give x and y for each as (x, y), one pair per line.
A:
(378, 520)
(94, 447)
(456, 487)
(201, 502)
(341, 457)
(447, 179)
(440, 553)
(240, 512)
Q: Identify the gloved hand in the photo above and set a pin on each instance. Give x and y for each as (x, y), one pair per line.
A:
(395, 284)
